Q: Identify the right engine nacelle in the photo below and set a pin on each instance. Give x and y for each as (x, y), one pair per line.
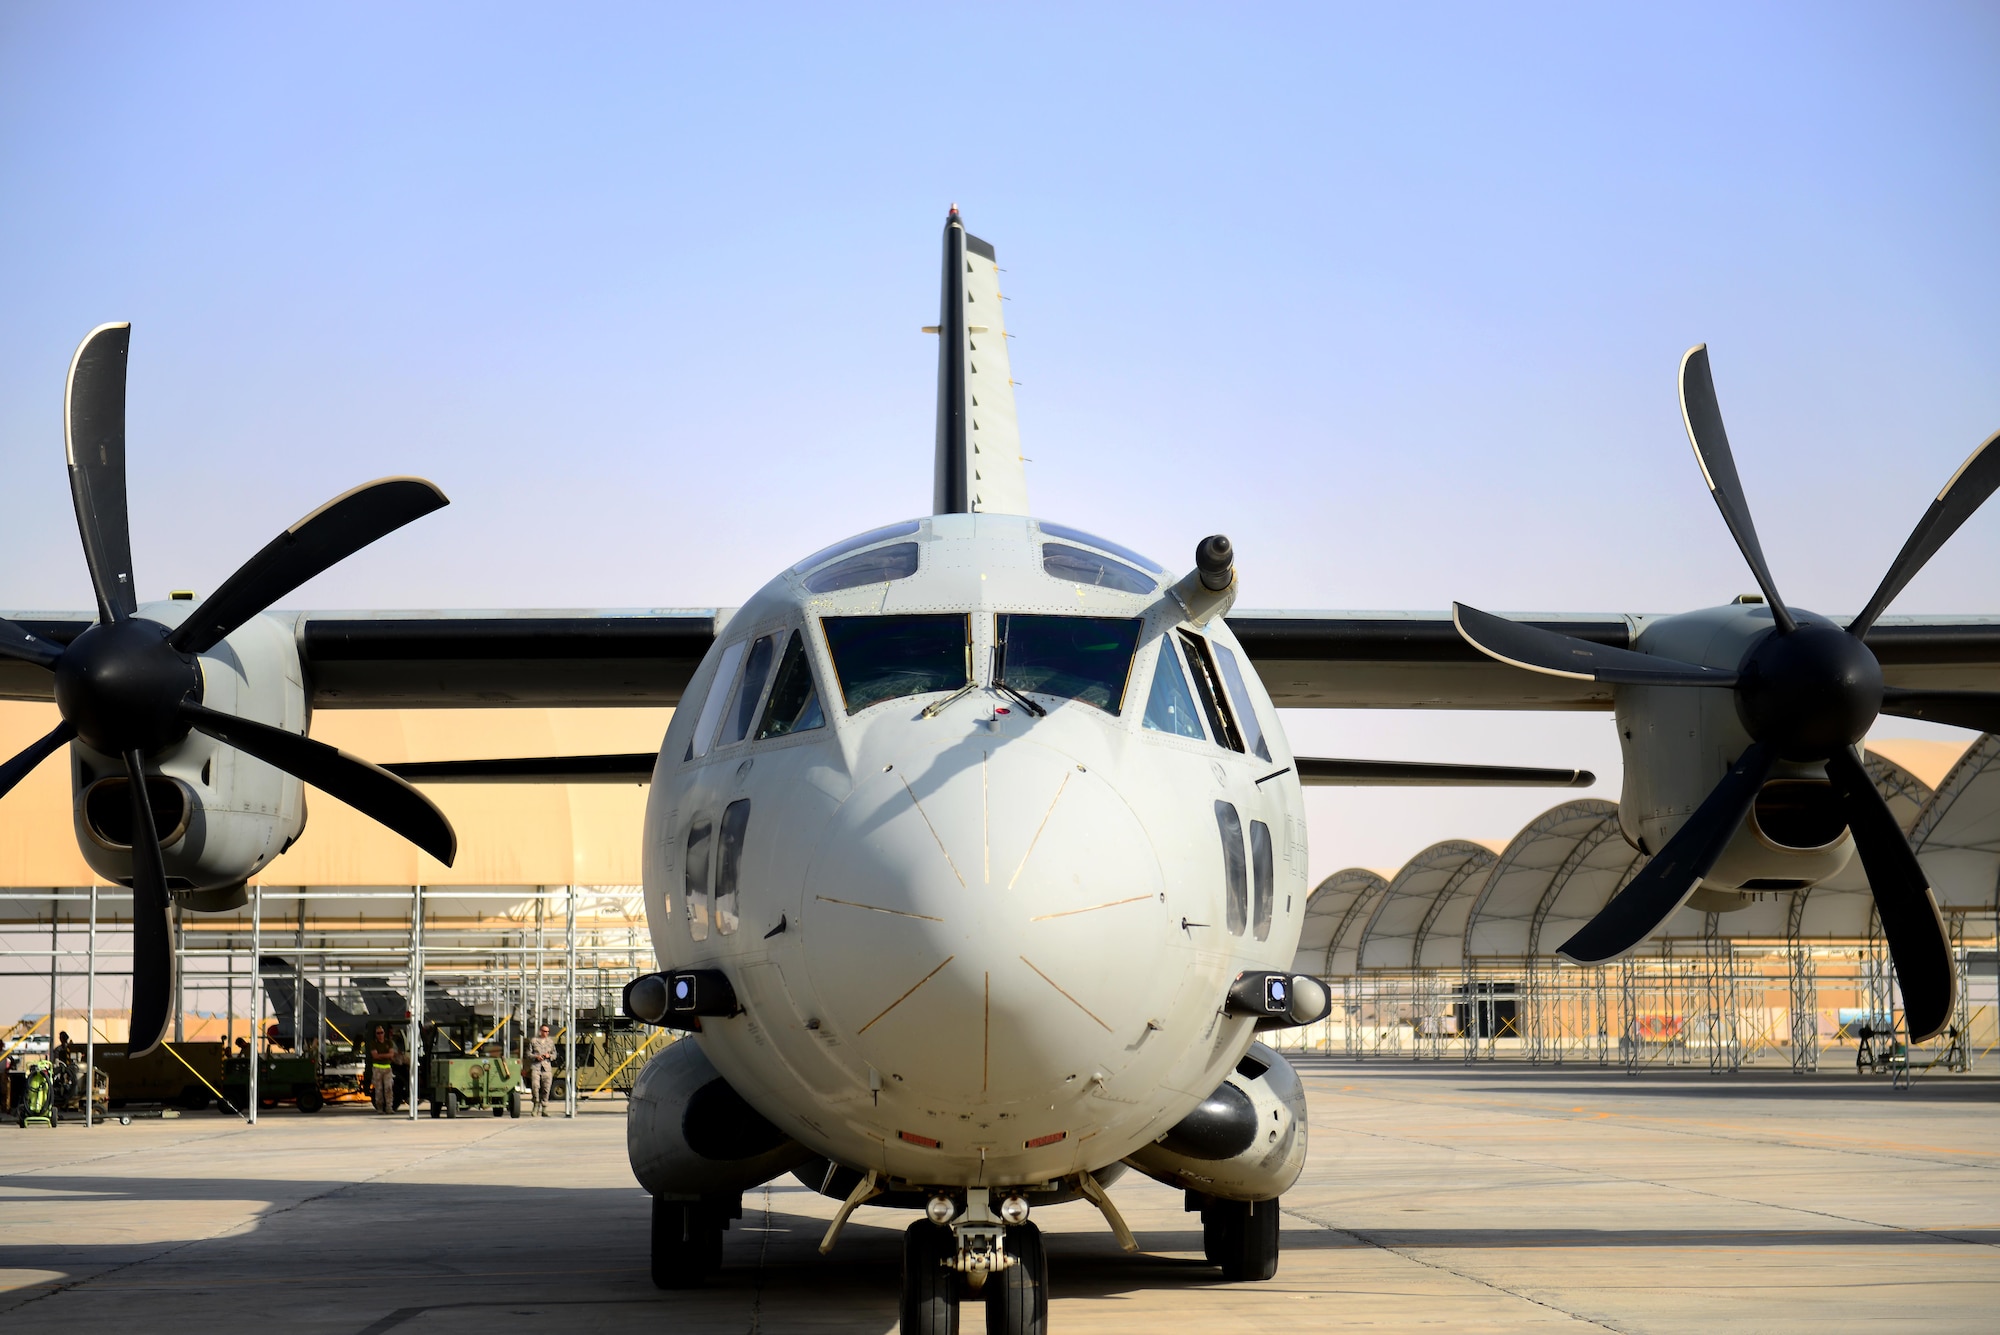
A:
(222, 815)
(689, 1134)
(1245, 1142)
(1679, 742)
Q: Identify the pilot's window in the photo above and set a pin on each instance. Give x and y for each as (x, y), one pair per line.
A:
(749, 690)
(1092, 540)
(735, 821)
(718, 696)
(881, 658)
(898, 561)
(1076, 566)
(1238, 881)
(699, 851)
(846, 545)
(1262, 876)
(794, 704)
(1076, 658)
(1201, 666)
(1246, 713)
(1170, 707)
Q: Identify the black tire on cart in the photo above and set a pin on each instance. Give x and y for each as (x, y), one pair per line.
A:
(453, 1105)
(513, 1103)
(192, 1098)
(310, 1100)
(930, 1290)
(1017, 1299)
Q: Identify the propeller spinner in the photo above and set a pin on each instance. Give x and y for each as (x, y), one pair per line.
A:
(129, 686)
(1808, 690)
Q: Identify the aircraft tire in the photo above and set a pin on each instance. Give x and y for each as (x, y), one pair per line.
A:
(1017, 1299)
(930, 1291)
(1242, 1238)
(687, 1245)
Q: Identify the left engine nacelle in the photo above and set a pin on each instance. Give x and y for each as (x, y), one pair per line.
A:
(222, 815)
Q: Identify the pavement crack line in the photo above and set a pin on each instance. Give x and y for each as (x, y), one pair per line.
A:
(255, 1220)
(1439, 1266)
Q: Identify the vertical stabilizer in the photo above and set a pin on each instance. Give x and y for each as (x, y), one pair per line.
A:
(979, 464)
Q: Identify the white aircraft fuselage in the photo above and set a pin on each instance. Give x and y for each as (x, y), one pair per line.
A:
(974, 944)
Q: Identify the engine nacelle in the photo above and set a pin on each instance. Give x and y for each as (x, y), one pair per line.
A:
(690, 1135)
(1679, 742)
(1245, 1142)
(222, 815)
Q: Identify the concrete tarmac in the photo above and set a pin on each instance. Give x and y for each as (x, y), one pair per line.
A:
(1507, 1198)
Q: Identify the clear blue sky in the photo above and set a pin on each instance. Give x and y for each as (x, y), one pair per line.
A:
(1392, 295)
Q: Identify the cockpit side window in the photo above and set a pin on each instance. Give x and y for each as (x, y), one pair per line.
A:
(718, 696)
(735, 824)
(1263, 879)
(879, 658)
(794, 704)
(1246, 712)
(1075, 658)
(1208, 686)
(742, 710)
(1170, 708)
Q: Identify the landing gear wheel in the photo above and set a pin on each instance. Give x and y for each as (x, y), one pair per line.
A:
(687, 1245)
(930, 1291)
(1241, 1237)
(1017, 1299)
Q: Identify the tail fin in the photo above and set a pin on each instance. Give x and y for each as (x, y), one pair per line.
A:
(979, 464)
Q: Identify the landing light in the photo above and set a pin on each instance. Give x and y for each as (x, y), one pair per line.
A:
(1014, 1210)
(941, 1209)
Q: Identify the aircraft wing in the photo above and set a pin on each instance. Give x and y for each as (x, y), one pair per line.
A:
(558, 658)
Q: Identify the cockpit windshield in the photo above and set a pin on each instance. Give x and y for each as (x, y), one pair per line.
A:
(881, 658)
(1077, 658)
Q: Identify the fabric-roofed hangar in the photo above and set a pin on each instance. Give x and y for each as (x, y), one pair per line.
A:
(1454, 955)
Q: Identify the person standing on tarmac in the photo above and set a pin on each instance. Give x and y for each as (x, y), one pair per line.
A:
(541, 1069)
(382, 1071)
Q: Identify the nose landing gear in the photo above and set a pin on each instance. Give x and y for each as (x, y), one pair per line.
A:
(1004, 1265)
(687, 1240)
(1241, 1237)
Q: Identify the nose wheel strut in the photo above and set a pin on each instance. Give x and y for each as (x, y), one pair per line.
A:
(938, 1276)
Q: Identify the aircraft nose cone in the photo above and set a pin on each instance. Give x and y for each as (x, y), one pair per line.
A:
(1011, 906)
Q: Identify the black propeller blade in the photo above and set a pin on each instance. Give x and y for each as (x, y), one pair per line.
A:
(94, 433)
(1968, 489)
(1558, 655)
(367, 788)
(34, 754)
(1910, 919)
(1703, 416)
(324, 538)
(16, 642)
(152, 929)
(1807, 691)
(1665, 883)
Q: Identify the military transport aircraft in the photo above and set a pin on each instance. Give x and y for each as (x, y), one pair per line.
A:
(975, 850)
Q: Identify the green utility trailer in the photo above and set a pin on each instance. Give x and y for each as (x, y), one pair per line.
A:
(467, 1082)
(282, 1077)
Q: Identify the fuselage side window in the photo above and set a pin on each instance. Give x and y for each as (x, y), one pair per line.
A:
(881, 658)
(1075, 658)
(794, 704)
(1263, 879)
(1235, 874)
(1170, 708)
(1246, 712)
(742, 711)
(718, 696)
(1201, 666)
(699, 850)
(729, 861)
